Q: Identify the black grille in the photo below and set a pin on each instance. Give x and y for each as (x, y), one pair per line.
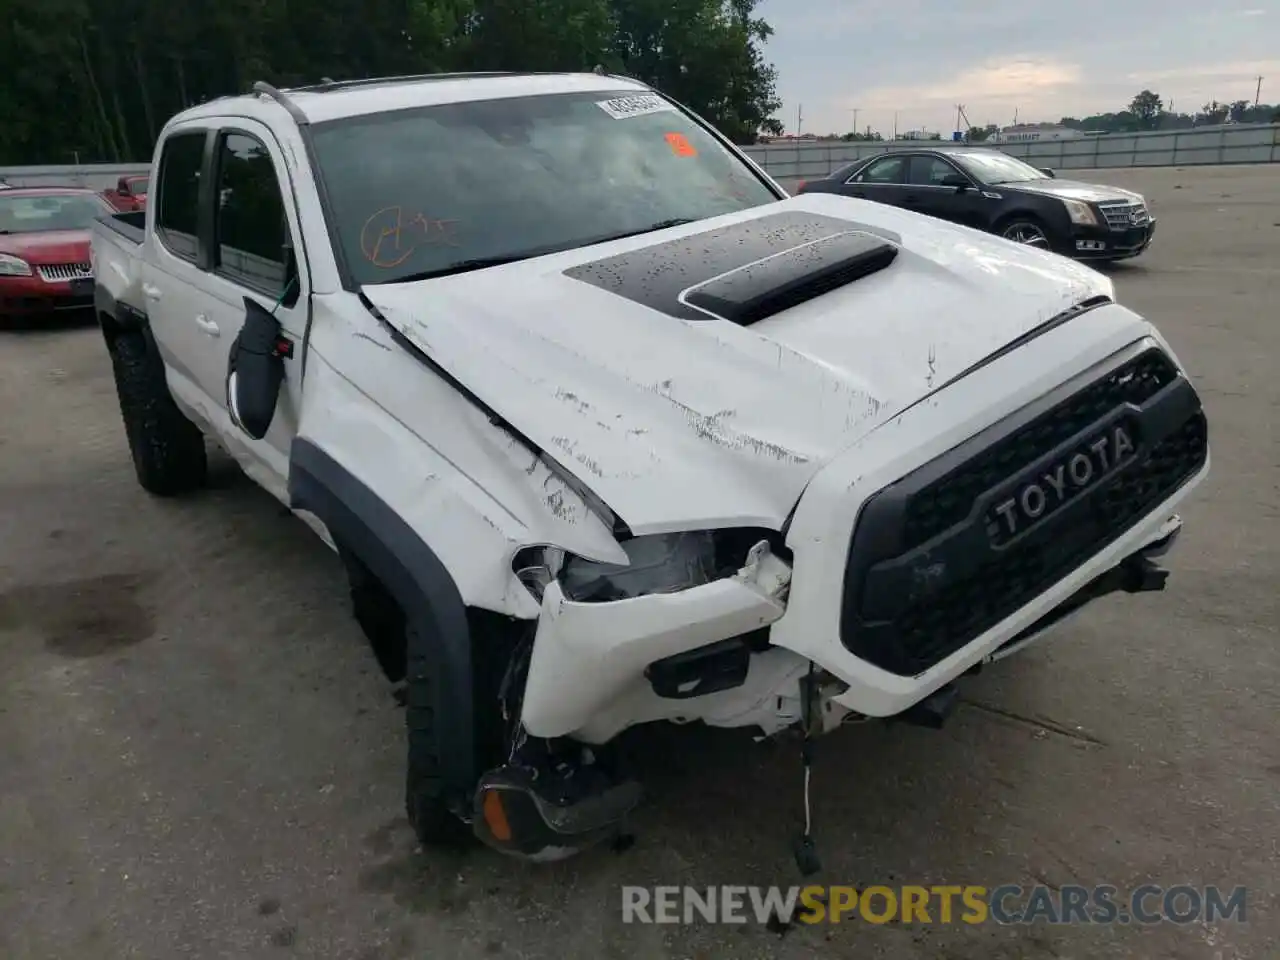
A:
(948, 501)
(944, 623)
(925, 574)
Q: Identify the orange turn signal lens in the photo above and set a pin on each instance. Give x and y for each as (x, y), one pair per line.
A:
(495, 817)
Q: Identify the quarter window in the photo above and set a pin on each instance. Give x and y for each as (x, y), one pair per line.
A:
(252, 234)
(178, 209)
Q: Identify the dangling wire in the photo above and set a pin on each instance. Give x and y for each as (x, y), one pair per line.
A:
(808, 817)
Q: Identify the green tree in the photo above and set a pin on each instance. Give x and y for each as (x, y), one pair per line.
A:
(1214, 112)
(95, 82)
(1147, 108)
(1237, 110)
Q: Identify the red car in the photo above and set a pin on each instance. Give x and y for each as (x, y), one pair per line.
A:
(130, 193)
(44, 249)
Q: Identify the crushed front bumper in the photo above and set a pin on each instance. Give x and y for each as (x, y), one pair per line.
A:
(596, 667)
(587, 672)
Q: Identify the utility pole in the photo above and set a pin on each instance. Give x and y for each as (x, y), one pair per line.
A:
(1257, 96)
(895, 125)
(855, 120)
(799, 117)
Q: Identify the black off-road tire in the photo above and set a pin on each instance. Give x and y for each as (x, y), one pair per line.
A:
(168, 449)
(426, 804)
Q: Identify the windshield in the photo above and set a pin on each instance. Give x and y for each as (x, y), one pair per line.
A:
(139, 185)
(447, 188)
(995, 168)
(51, 211)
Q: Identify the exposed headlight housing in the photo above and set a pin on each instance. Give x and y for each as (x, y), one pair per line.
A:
(11, 266)
(659, 563)
(1081, 213)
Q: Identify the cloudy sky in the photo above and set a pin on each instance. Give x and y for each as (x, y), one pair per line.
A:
(1043, 58)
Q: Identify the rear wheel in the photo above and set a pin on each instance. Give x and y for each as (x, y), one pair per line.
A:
(1027, 231)
(167, 449)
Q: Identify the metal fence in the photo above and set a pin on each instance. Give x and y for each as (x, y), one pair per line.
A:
(1235, 143)
(98, 176)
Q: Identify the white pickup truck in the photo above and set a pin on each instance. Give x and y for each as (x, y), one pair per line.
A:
(607, 429)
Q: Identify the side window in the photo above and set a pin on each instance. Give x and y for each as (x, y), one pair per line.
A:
(884, 170)
(178, 212)
(930, 171)
(251, 232)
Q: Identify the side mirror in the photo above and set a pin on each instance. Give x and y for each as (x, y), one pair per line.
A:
(255, 371)
(956, 180)
(1048, 173)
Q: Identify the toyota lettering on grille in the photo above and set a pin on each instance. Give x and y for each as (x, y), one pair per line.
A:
(1062, 481)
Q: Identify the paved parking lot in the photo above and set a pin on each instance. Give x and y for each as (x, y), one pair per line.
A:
(198, 758)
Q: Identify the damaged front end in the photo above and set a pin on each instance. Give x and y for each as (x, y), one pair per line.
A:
(679, 633)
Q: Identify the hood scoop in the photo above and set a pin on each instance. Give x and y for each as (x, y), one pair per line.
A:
(759, 290)
(747, 270)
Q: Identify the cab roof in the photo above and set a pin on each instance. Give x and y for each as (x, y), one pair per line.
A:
(336, 100)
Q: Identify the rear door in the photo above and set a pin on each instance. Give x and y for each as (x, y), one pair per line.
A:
(171, 270)
(881, 180)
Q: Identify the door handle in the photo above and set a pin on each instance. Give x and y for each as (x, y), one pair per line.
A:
(151, 291)
(206, 325)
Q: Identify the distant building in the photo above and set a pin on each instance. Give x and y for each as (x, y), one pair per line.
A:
(1032, 132)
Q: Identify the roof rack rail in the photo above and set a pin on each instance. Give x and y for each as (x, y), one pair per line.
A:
(264, 89)
(326, 83)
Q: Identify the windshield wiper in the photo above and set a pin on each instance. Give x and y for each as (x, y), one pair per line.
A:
(660, 225)
(462, 266)
(480, 263)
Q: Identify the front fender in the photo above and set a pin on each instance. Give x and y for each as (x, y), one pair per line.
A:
(363, 523)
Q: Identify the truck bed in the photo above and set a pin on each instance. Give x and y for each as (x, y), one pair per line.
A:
(116, 242)
(129, 224)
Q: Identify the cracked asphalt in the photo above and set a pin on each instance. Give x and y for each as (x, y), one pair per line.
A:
(199, 759)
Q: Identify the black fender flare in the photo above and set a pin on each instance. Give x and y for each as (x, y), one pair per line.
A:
(115, 317)
(362, 523)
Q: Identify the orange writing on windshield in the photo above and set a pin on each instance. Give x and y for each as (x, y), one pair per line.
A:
(389, 237)
(680, 145)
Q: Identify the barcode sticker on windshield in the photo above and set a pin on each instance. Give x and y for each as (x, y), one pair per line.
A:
(621, 108)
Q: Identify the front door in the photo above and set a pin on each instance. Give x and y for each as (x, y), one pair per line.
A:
(254, 236)
(925, 177)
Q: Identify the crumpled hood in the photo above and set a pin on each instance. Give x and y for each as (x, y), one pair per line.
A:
(1072, 190)
(681, 423)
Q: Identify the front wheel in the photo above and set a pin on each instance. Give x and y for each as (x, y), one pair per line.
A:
(437, 817)
(1026, 231)
(434, 819)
